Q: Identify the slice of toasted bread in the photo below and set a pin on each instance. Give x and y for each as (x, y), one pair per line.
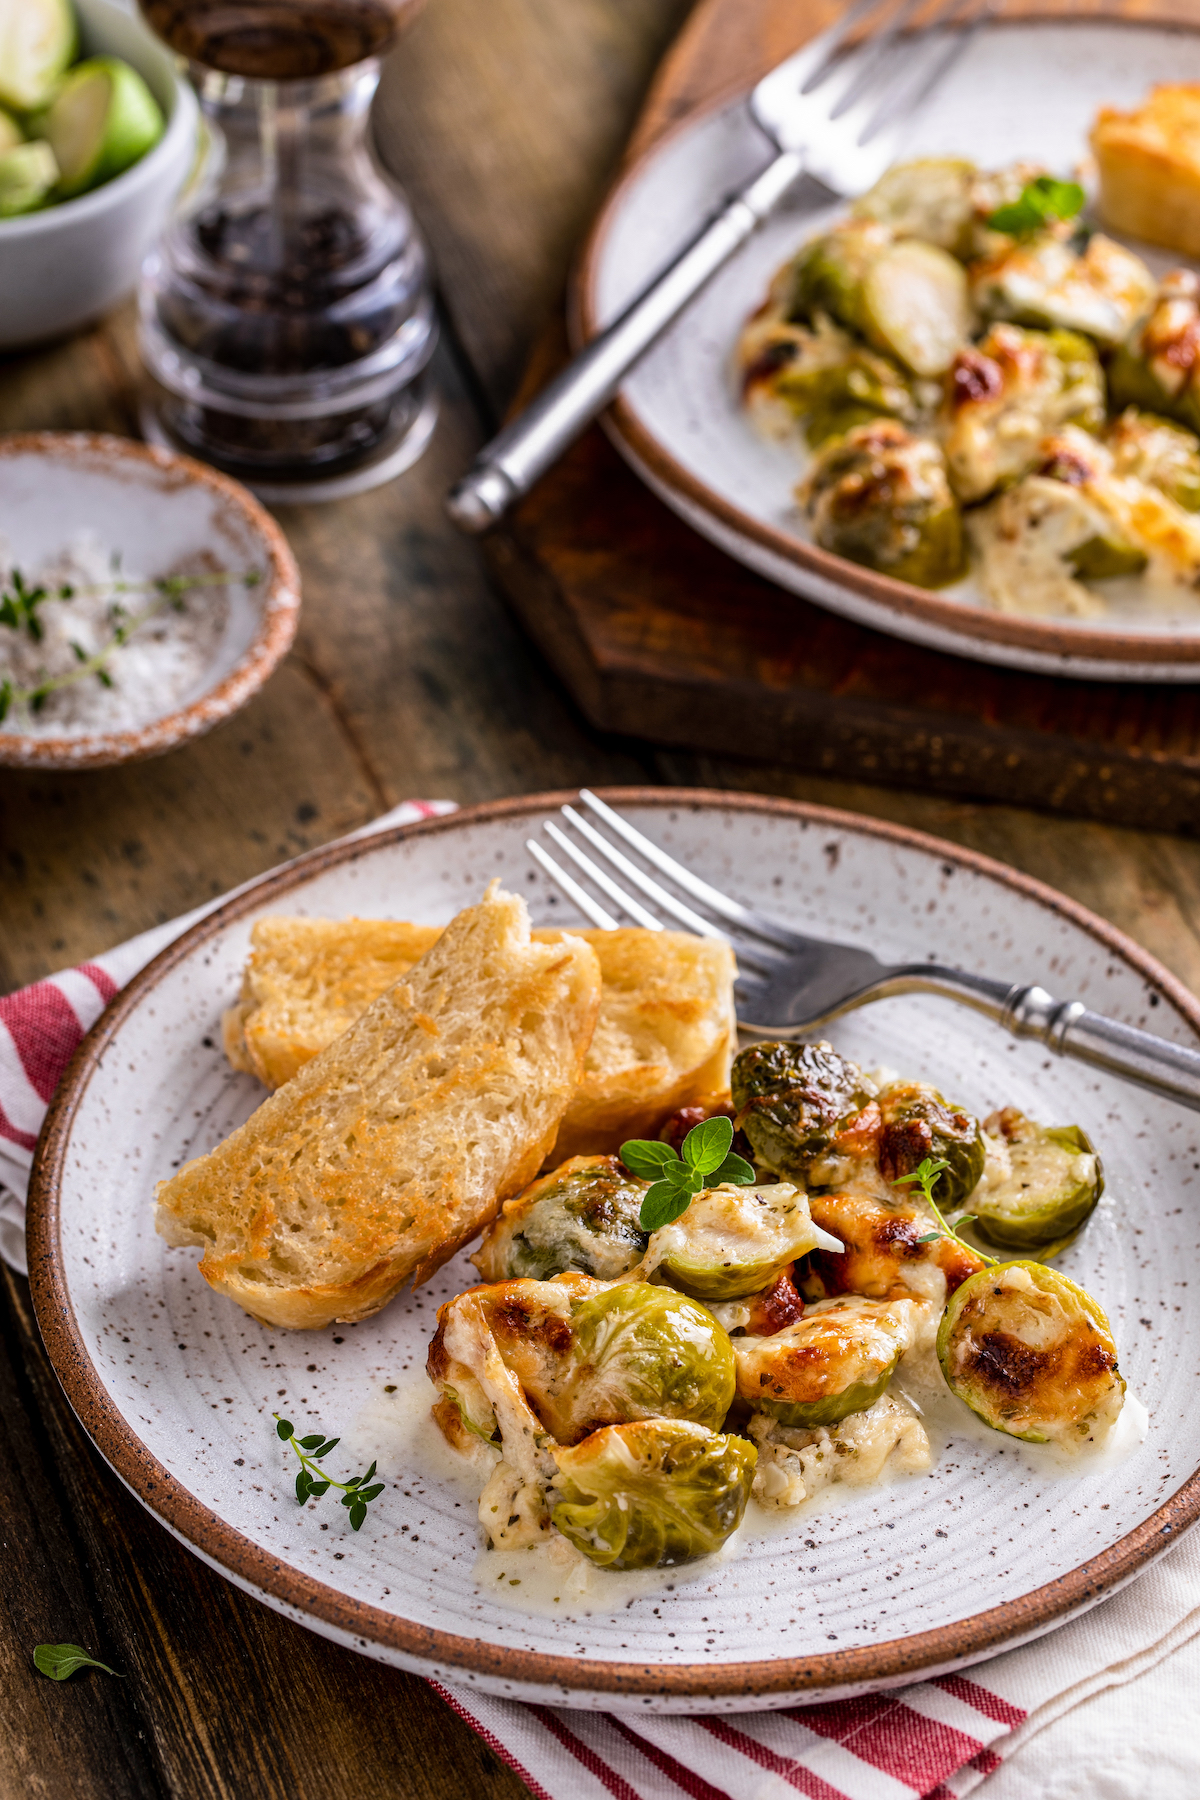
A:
(664, 1038)
(1149, 166)
(392, 1146)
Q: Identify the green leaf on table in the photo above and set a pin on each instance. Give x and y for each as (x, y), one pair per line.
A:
(58, 1661)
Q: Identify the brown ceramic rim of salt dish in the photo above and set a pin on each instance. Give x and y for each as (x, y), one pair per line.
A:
(1051, 638)
(372, 1629)
(279, 599)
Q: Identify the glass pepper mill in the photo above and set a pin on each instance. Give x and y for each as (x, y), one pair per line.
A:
(287, 314)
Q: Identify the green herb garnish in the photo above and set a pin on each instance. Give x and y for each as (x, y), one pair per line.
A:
(925, 1175)
(18, 610)
(313, 1480)
(706, 1161)
(60, 1660)
(1041, 199)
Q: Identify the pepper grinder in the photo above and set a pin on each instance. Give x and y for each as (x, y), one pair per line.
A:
(287, 315)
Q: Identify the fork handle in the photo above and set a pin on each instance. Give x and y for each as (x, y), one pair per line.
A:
(1070, 1029)
(507, 468)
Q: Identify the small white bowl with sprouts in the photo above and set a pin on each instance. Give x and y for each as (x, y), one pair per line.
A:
(143, 599)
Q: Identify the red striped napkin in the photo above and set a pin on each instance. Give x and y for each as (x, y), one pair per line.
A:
(939, 1739)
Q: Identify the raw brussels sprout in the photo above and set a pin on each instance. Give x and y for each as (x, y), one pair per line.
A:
(1005, 394)
(734, 1241)
(907, 298)
(790, 1099)
(836, 1360)
(1039, 1185)
(1042, 281)
(918, 1123)
(583, 1215)
(880, 496)
(1156, 451)
(1158, 365)
(894, 1248)
(1032, 1354)
(650, 1495)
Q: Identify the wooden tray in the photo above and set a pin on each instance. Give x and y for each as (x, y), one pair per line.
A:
(659, 635)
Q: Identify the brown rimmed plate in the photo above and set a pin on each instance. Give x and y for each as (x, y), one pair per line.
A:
(1028, 86)
(996, 1545)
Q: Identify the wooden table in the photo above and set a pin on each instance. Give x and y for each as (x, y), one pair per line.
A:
(504, 118)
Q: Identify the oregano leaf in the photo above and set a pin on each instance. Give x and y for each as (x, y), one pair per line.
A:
(663, 1203)
(735, 1168)
(647, 1159)
(58, 1661)
(707, 1145)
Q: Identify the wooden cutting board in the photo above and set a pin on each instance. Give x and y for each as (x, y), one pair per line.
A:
(659, 635)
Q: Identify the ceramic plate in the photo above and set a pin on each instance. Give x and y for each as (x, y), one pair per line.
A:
(162, 514)
(1027, 90)
(177, 1386)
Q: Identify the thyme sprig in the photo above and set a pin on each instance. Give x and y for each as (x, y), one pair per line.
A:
(925, 1175)
(18, 610)
(313, 1480)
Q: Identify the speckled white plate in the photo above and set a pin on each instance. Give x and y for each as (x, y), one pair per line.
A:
(177, 1386)
(1023, 88)
(162, 514)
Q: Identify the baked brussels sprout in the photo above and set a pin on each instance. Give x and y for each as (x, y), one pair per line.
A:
(880, 496)
(652, 1494)
(1032, 1354)
(907, 298)
(1158, 365)
(1159, 452)
(893, 1248)
(836, 1360)
(1039, 1185)
(640, 1351)
(946, 201)
(819, 374)
(1005, 394)
(1041, 281)
(583, 1215)
(580, 1354)
(735, 1241)
(795, 1465)
(917, 1123)
(790, 1099)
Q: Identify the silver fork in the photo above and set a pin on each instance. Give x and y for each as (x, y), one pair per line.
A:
(831, 112)
(789, 984)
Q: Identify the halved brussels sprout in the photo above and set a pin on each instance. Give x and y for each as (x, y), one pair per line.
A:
(918, 1123)
(650, 1495)
(880, 496)
(894, 1248)
(1005, 394)
(928, 198)
(836, 1360)
(1039, 1184)
(1158, 366)
(907, 298)
(1159, 452)
(1032, 1354)
(734, 1241)
(821, 374)
(581, 1354)
(1042, 281)
(790, 1099)
(583, 1215)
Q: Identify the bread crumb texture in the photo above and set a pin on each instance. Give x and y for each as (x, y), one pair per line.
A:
(664, 1037)
(395, 1143)
(1149, 167)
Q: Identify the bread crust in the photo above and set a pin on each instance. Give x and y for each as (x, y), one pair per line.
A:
(395, 1144)
(665, 1036)
(1149, 166)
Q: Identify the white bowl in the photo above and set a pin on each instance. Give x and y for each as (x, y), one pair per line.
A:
(162, 513)
(63, 267)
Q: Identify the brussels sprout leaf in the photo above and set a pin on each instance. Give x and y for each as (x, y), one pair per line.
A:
(1041, 199)
(312, 1480)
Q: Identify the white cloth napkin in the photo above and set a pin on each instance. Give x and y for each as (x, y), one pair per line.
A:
(1106, 1708)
